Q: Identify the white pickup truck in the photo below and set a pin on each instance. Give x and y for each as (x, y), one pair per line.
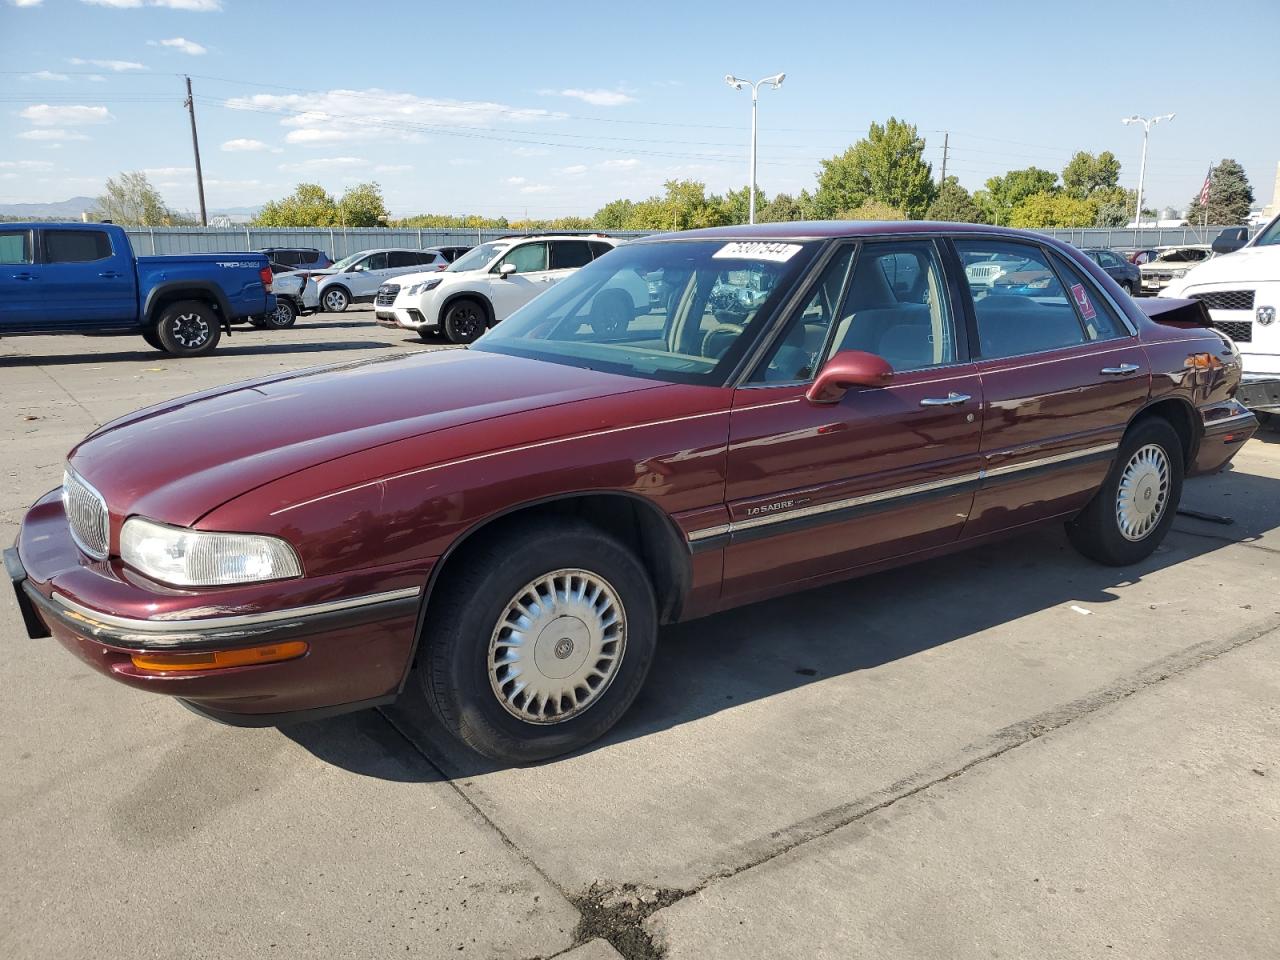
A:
(1242, 293)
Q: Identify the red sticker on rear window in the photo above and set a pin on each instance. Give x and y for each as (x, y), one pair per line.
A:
(1083, 301)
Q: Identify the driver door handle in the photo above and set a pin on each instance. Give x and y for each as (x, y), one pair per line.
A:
(24, 276)
(1121, 371)
(950, 400)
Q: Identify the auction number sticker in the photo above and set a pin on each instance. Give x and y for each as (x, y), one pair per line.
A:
(757, 250)
(1083, 301)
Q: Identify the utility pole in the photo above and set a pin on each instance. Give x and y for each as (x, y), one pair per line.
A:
(1147, 124)
(946, 138)
(195, 145)
(737, 84)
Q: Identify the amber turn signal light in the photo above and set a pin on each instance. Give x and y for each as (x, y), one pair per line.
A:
(216, 659)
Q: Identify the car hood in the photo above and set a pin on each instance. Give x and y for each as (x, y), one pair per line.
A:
(176, 461)
(1252, 264)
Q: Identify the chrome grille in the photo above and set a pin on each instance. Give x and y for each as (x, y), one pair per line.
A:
(86, 515)
(387, 294)
(1241, 331)
(1226, 299)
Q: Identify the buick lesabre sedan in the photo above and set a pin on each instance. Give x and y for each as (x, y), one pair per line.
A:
(509, 525)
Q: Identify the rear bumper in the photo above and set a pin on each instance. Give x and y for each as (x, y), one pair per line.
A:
(1226, 428)
(357, 652)
(1261, 394)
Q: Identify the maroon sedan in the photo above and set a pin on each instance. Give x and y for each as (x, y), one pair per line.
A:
(690, 423)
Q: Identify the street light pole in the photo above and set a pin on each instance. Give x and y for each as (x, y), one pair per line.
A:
(1147, 124)
(776, 82)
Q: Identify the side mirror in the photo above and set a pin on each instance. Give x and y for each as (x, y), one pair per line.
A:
(1230, 240)
(847, 369)
(506, 270)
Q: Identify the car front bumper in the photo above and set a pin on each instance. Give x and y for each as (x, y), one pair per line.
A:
(403, 317)
(358, 647)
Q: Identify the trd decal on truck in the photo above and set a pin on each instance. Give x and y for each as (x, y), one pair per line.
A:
(236, 263)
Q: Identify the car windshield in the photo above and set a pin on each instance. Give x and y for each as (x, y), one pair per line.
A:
(677, 310)
(477, 258)
(346, 262)
(1269, 236)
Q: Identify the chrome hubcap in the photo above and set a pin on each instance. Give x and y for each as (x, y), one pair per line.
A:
(335, 300)
(282, 314)
(1144, 492)
(557, 646)
(190, 330)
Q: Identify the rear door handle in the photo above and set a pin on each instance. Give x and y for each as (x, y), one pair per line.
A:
(25, 276)
(950, 400)
(1121, 371)
(111, 274)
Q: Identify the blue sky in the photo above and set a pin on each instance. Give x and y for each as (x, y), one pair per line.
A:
(496, 110)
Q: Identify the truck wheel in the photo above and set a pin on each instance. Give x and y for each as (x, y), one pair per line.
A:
(464, 321)
(188, 328)
(284, 315)
(541, 644)
(1133, 509)
(336, 299)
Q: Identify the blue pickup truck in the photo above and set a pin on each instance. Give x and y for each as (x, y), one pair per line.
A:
(84, 278)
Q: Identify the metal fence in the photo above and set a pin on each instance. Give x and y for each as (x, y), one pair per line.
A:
(339, 242)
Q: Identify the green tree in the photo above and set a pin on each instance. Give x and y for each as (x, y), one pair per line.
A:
(872, 210)
(1230, 196)
(1085, 174)
(736, 205)
(953, 204)
(612, 215)
(362, 206)
(130, 200)
(308, 206)
(570, 223)
(886, 166)
(1052, 209)
(1114, 206)
(1002, 194)
(784, 208)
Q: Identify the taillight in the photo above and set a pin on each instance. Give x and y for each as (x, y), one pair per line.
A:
(267, 276)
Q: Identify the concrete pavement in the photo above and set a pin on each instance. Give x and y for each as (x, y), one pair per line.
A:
(872, 768)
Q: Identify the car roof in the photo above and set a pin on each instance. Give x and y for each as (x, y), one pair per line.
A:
(836, 229)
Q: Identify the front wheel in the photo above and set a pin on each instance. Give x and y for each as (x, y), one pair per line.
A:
(336, 300)
(464, 321)
(1131, 513)
(188, 328)
(541, 641)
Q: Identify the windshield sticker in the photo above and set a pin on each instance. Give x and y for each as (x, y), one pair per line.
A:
(1083, 301)
(757, 250)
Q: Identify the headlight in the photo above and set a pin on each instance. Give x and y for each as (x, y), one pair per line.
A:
(196, 558)
(424, 286)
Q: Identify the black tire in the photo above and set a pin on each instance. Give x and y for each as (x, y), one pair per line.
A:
(258, 322)
(335, 299)
(611, 313)
(1097, 532)
(285, 315)
(149, 335)
(469, 612)
(188, 328)
(464, 321)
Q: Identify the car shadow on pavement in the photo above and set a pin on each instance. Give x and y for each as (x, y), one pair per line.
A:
(149, 355)
(766, 649)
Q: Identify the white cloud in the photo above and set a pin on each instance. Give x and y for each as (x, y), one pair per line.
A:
(181, 44)
(462, 162)
(337, 116)
(531, 151)
(535, 188)
(116, 66)
(626, 164)
(597, 98)
(196, 6)
(48, 75)
(575, 170)
(514, 181)
(26, 3)
(51, 136)
(393, 168)
(25, 165)
(46, 115)
(324, 163)
(244, 145)
(164, 174)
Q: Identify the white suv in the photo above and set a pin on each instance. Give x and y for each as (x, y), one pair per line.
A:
(355, 279)
(485, 285)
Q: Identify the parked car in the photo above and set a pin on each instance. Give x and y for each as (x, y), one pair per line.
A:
(355, 279)
(489, 283)
(278, 268)
(1124, 273)
(1241, 291)
(85, 278)
(507, 526)
(297, 294)
(1171, 263)
(1139, 257)
(300, 258)
(451, 253)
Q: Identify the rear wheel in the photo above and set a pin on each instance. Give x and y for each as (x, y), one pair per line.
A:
(464, 321)
(1131, 513)
(542, 645)
(188, 328)
(284, 315)
(336, 299)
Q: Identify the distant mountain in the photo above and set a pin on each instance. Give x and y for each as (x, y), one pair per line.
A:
(63, 209)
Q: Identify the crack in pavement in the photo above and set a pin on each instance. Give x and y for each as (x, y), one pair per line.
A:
(58, 383)
(1238, 542)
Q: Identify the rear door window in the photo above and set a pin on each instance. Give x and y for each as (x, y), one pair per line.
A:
(1099, 320)
(569, 254)
(1020, 304)
(15, 246)
(599, 248)
(75, 246)
(403, 258)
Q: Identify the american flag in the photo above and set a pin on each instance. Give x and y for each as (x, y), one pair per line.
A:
(1204, 191)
